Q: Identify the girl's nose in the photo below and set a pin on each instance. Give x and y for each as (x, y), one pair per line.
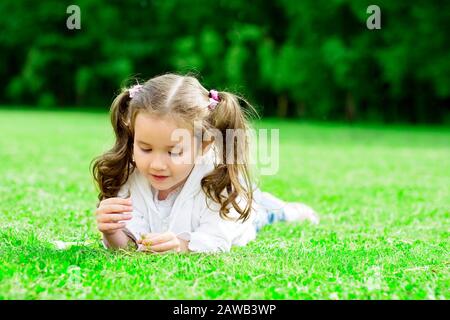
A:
(158, 164)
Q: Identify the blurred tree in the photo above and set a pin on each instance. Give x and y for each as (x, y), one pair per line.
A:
(310, 58)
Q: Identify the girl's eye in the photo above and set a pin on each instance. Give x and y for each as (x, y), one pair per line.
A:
(174, 154)
(146, 150)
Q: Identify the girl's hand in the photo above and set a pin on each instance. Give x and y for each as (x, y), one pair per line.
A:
(111, 212)
(163, 243)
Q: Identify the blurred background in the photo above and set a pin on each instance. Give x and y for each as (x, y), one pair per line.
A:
(311, 59)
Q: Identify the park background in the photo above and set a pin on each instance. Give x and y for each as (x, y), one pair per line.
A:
(363, 118)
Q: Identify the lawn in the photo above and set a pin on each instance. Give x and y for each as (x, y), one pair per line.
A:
(382, 193)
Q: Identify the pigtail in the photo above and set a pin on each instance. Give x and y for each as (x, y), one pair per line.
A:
(112, 169)
(231, 178)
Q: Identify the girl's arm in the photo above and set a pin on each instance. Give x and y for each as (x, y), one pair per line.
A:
(215, 234)
(118, 240)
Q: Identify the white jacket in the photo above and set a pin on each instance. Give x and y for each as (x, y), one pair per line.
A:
(190, 218)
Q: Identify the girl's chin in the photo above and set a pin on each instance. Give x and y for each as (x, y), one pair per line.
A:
(161, 185)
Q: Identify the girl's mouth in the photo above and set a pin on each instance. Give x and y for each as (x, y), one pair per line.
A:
(159, 178)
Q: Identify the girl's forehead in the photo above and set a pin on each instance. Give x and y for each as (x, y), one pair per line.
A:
(170, 120)
(146, 119)
(157, 130)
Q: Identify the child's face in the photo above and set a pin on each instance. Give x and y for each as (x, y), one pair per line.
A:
(157, 156)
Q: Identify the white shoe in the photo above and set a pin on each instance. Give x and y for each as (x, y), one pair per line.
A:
(296, 211)
(293, 211)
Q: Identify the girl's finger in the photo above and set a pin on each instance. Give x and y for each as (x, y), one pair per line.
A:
(111, 226)
(142, 237)
(165, 246)
(116, 200)
(163, 237)
(147, 238)
(149, 235)
(114, 217)
(113, 208)
(147, 241)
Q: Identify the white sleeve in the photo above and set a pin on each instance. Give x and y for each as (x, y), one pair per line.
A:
(214, 233)
(137, 225)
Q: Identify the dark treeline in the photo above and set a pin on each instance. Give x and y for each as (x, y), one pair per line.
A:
(314, 59)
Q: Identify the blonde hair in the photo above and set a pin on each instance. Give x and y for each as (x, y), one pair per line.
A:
(186, 99)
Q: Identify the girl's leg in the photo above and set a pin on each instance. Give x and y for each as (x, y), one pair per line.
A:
(272, 209)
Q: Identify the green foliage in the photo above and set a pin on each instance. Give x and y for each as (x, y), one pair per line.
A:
(381, 191)
(307, 58)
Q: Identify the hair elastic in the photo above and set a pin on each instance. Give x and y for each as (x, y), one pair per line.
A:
(134, 90)
(213, 99)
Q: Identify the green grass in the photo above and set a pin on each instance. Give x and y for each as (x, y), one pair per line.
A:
(382, 193)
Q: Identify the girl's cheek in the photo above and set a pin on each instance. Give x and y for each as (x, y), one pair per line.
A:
(177, 162)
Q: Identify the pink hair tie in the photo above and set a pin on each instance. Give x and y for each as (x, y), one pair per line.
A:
(135, 89)
(213, 99)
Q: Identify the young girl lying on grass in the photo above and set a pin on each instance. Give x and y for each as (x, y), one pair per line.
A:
(166, 188)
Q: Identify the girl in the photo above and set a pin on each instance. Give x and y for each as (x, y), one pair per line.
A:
(164, 187)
